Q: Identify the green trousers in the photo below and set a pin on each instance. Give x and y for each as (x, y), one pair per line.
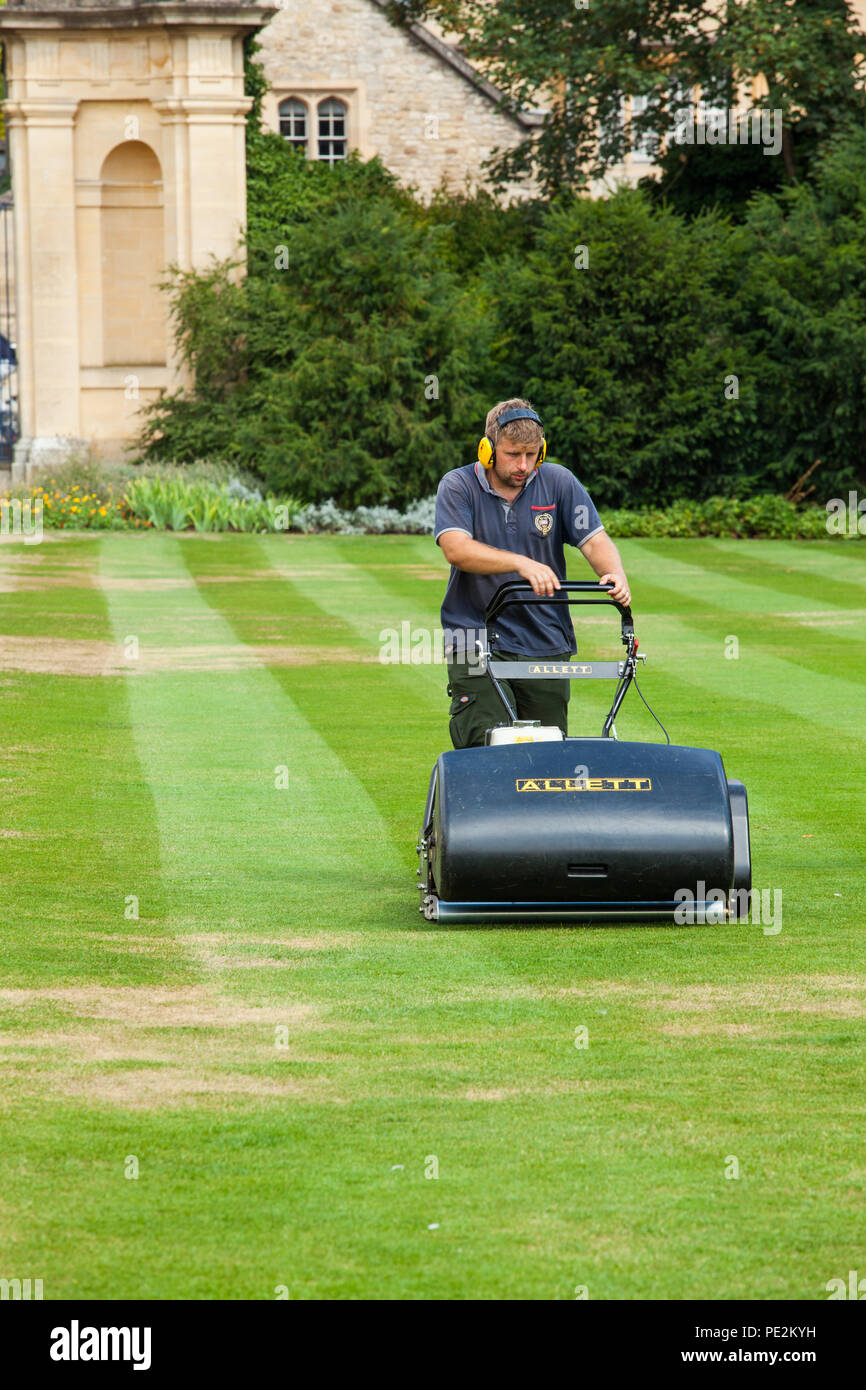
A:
(475, 706)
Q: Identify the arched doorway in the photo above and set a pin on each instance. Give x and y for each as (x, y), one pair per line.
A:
(134, 311)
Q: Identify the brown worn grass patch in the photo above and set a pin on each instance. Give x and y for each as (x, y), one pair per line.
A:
(552, 1088)
(840, 996)
(31, 569)
(70, 657)
(439, 573)
(249, 576)
(189, 1006)
(192, 1044)
(143, 583)
(810, 618)
(322, 941)
(150, 1089)
(708, 1026)
(217, 960)
(233, 951)
(128, 944)
(69, 578)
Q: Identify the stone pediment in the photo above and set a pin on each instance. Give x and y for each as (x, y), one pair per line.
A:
(68, 7)
(87, 14)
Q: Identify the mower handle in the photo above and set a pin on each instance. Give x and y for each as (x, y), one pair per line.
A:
(521, 591)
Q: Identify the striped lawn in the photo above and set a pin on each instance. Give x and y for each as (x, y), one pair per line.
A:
(215, 974)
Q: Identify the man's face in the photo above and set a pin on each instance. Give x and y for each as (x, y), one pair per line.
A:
(514, 462)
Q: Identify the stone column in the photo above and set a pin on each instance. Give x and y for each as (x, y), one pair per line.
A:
(41, 154)
(79, 74)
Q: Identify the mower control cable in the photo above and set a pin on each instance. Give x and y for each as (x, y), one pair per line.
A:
(651, 710)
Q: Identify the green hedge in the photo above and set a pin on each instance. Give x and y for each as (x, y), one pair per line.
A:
(767, 516)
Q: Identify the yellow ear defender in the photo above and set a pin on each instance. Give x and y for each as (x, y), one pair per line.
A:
(486, 446)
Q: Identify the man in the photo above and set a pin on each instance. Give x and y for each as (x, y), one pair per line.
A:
(506, 517)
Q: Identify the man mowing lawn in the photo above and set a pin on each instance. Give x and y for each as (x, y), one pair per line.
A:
(506, 517)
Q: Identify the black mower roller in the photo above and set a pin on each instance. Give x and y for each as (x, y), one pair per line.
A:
(537, 827)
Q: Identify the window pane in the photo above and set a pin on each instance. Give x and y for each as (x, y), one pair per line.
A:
(293, 122)
(332, 130)
(645, 142)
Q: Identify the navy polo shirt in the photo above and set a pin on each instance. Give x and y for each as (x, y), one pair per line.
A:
(552, 508)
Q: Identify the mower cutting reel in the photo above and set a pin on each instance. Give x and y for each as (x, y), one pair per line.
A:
(535, 829)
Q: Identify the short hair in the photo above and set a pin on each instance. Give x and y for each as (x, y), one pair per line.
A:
(518, 431)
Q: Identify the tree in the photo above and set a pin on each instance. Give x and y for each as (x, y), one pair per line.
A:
(347, 362)
(618, 328)
(587, 58)
(800, 321)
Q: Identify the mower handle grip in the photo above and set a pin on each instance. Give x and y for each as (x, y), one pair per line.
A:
(521, 591)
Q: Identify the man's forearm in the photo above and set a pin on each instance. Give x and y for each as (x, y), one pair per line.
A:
(605, 559)
(602, 554)
(477, 558)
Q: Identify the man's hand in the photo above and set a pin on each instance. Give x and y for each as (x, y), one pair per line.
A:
(620, 590)
(541, 577)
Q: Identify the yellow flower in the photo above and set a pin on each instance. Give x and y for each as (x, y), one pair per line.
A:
(102, 511)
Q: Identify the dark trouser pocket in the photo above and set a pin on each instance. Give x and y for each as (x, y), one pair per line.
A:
(475, 707)
(462, 723)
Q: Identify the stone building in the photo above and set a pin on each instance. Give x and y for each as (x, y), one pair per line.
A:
(342, 77)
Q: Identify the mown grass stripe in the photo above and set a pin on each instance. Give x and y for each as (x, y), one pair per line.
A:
(79, 834)
(716, 576)
(236, 849)
(348, 695)
(781, 682)
(371, 603)
(838, 562)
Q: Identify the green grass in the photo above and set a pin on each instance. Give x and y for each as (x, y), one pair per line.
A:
(285, 1046)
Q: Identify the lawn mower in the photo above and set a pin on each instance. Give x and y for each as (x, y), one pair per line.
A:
(537, 827)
